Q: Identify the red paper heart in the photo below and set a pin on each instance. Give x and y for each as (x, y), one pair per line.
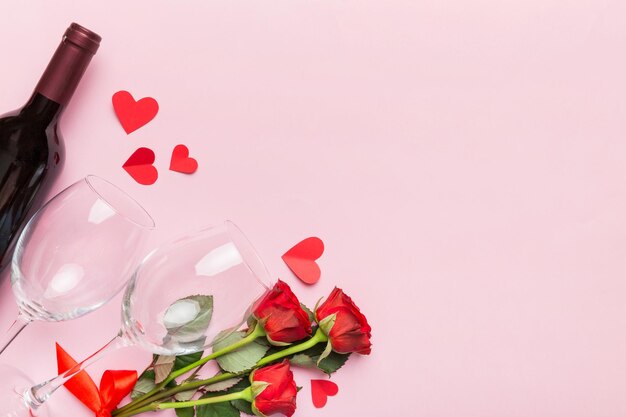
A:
(140, 167)
(321, 389)
(181, 162)
(301, 259)
(134, 114)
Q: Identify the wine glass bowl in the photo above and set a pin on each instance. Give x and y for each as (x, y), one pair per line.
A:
(184, 294)
(78, 251)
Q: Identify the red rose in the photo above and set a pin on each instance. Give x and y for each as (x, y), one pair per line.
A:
(274, 390)
(344, 324)
(281, 316)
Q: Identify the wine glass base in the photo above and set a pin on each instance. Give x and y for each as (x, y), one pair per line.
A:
(13, 383)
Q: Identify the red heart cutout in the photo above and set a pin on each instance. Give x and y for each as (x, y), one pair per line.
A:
(321, 389)
(134, 114)
(181, 162)
(301, 259)
(140, 167)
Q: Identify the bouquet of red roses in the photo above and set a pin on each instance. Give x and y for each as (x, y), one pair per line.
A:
(255, 365)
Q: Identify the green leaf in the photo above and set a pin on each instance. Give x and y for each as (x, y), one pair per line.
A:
(309, 312)
(243, 406)
(243, 358)
(163, 367)
(144, 384)
(239, 386)
(185, 412)
(274, 349)
(225, 409)
(186, 360)
(333, 362)
(186, 395)
(303, 361)
(222, 386)
(188, 319)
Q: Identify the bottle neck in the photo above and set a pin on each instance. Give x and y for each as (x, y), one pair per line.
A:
(66, 68)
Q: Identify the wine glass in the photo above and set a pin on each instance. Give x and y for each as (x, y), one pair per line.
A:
(183, 298)
(76, 253)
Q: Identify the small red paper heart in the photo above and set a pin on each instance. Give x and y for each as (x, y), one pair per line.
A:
(140, 167)
(181, 162)
(301, 259)
(134, 114)
(321, 389)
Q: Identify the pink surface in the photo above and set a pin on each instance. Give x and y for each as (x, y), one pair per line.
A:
(464, 162)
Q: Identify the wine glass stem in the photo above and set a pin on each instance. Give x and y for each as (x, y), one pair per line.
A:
(16, 328)
(38, 394)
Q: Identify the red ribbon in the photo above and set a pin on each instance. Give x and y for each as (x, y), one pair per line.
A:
(114, 386)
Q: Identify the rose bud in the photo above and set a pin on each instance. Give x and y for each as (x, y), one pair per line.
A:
(281, 316)
(344, 324)
(274, 390)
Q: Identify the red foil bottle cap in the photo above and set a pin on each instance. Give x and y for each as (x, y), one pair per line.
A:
(83, 37)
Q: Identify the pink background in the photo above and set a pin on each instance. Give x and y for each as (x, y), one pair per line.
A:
(465, 163)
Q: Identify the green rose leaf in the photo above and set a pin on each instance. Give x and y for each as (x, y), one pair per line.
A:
(186, 395)
(242, 384)
(163, 367)
(309, 312)
(222, 386)
(241, 359)
(145, 383)
(303, 360)
(186, 360)
(225, 409)
(185, 412)
(333, 362)
(310, 358)
(243, 406)
(187, 319)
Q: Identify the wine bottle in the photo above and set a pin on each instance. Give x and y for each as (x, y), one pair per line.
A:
(31, 147)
